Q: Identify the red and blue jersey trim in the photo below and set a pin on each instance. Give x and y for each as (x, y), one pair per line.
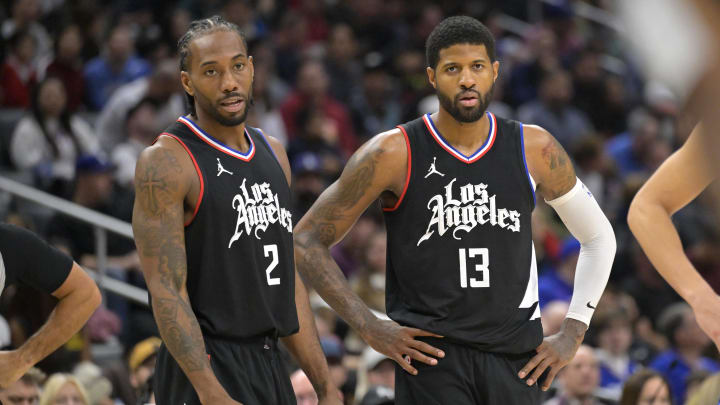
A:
(492, 135)
(217, 144)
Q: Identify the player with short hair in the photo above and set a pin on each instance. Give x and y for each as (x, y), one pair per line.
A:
(458, 188)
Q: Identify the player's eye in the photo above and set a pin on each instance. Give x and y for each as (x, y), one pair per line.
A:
(239, 66)
(210, 72)
(451, 69)
(478, 66)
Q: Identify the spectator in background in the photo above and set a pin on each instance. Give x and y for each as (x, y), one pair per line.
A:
(636, 150)
(64, 389)
(131, 377)
(303, 389)
(242, 13)
(93, 189)
(553, 315)
(541, 59)
(17, 73)
(24, 390)
(308, 182)
(374, 106)
(141, 129)
(707, 393)
(341, 64)
(97, 387)
(376, 378)
(369, 282)
(265, 114)
(614, 337)
(349, 252)
(579, 380)
(556, 284)
(49, 139)
(67, 65)
(646, 387)
(117, 65)
(311, 92)
(553, 110)
(687, 343)
(161, 87)
(317, 134)
(24, 17)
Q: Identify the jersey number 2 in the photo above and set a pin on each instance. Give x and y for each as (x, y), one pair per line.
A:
(268, 250)
(481, 267)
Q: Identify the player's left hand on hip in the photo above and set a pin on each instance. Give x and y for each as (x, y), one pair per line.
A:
(554, 353)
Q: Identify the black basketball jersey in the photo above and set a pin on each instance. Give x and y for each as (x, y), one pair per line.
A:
(460, 261)
(240, 262)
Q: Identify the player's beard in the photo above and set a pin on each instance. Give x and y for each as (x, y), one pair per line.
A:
(213, 109)
(463, 114)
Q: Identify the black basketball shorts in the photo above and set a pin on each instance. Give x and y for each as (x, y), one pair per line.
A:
(252, 372)
(466, 376)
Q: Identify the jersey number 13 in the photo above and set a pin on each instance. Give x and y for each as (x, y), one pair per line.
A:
(481, 266)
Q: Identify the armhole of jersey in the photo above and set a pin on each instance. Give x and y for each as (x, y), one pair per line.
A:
(267, 143)
(197, 170)
(409, 172)
(522, 150)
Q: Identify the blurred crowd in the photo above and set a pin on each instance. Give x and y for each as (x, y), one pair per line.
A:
(86, 85)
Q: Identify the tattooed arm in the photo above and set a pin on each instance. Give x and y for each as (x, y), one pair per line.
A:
(305, 345)
(164, 177)
(377, 169)
(553, 172)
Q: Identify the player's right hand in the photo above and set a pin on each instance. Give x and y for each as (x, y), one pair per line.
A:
(395, 341)
(706, 314)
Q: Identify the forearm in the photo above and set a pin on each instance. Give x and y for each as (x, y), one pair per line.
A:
(654, 230)
(69, 315)
(587, 223)
(316, 265)
(305, 345)
(180, 331)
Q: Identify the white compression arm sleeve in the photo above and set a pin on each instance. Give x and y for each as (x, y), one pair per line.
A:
(583, 217)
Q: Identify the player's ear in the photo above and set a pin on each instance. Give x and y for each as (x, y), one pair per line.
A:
(496, 69)
(431, 76)
(185, 80)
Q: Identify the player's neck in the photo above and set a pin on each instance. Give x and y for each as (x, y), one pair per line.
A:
(466, 137)
(233, 137)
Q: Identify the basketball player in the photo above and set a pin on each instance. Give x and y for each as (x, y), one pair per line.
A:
(216, 245)
(680, 179)
(26, 259)
(458, 188)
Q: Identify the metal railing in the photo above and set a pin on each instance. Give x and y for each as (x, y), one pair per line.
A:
(101, 223)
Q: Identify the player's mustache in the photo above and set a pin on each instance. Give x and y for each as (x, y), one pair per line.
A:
(468, 93)
(232, 95)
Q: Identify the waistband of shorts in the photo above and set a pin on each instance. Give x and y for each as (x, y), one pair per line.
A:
(266, 339)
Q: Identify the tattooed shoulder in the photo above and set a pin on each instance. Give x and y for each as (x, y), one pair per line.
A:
(549, 163)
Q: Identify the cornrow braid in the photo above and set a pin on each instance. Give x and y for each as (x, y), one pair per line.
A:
(197, 29)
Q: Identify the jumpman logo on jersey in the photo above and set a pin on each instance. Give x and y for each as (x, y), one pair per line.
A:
(221, 169)
(433, 170)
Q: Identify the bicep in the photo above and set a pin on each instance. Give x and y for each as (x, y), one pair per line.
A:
(364, 178)
(161, 183)
(548, 163)
(76, 280)
(684, 175)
